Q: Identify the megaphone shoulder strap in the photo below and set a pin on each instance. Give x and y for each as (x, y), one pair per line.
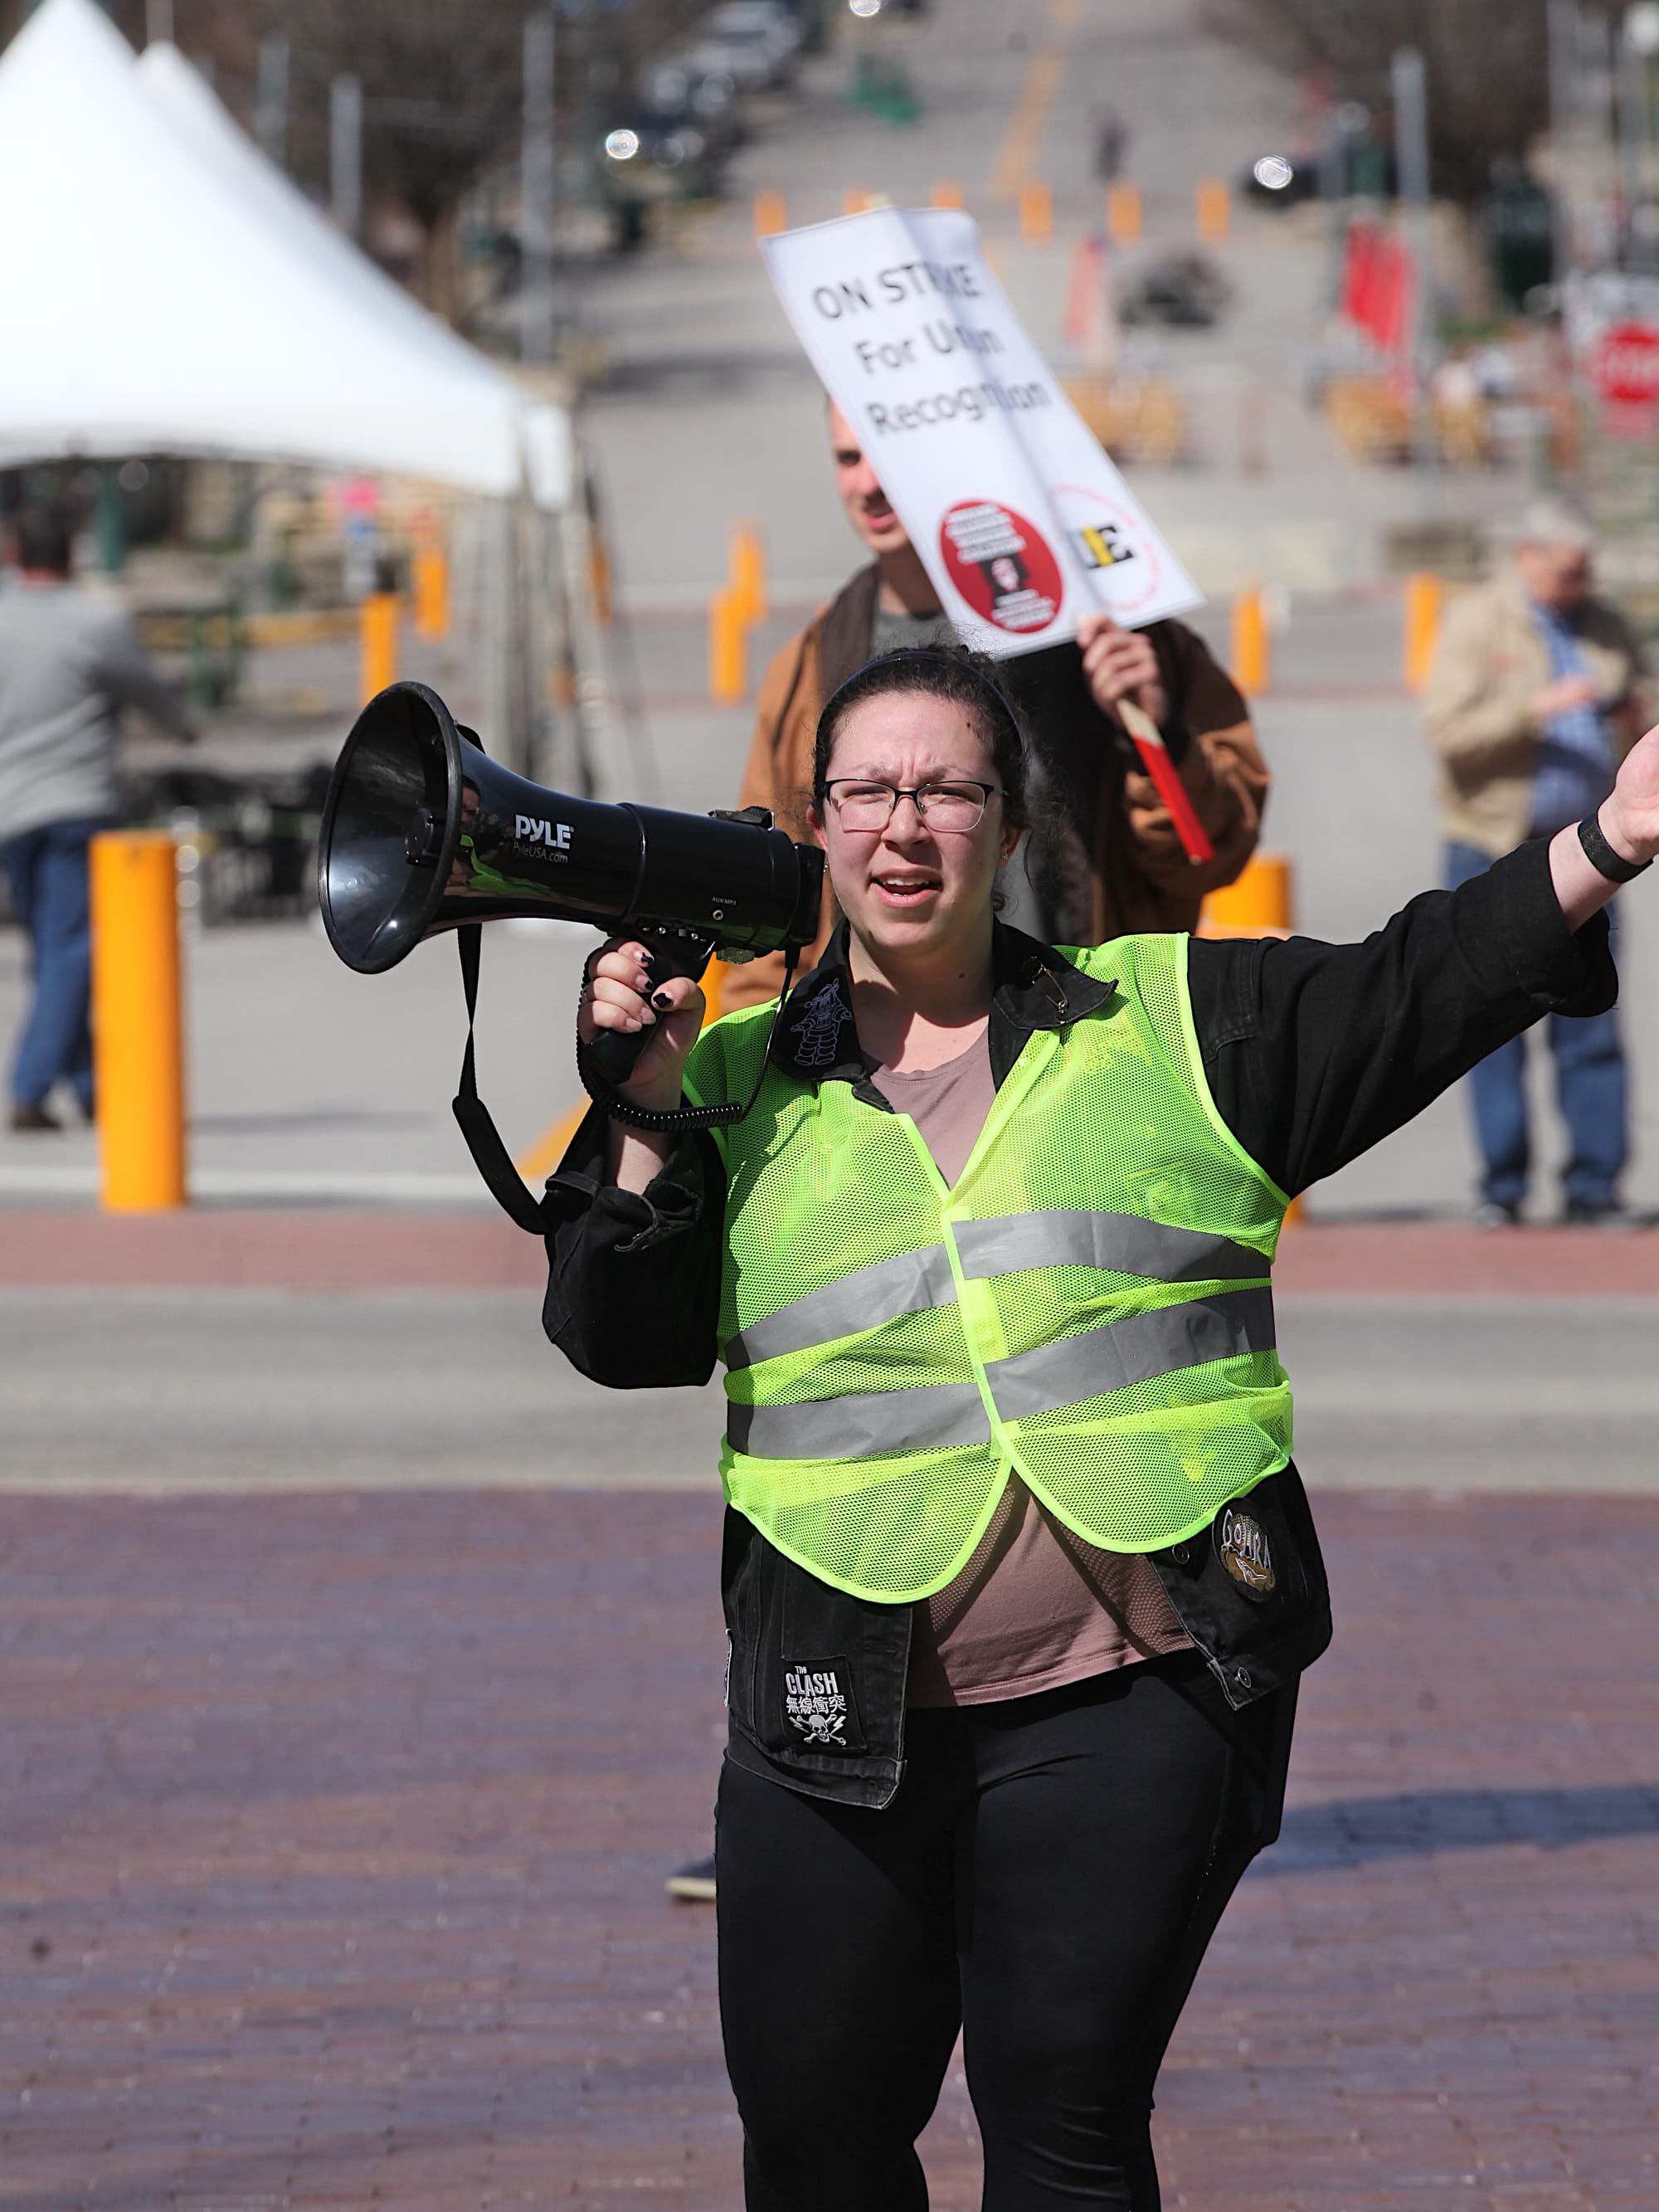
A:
(484, 1139)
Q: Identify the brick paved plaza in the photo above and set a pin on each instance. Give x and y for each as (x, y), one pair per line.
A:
(335, 1828)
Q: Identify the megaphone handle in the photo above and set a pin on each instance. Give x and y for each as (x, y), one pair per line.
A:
(614, 1054)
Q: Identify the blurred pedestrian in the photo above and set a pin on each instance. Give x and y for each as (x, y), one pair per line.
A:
(1536, 694)
(1103, 856)
(68, 663)
(1111, 143)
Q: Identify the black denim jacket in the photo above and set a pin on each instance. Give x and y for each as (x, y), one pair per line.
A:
(1313, 1053)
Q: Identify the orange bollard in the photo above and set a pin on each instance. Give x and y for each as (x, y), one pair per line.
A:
(137, 1019)
(1259, 901)
(728, 637)
(1036, 209)
(1424, 597)
(377, 632)
(747, 573)
(1123, 212)
(771, 214)
(429, 576)
(1215, 209)
(1252, 667)
(854, 203)
(947, 193)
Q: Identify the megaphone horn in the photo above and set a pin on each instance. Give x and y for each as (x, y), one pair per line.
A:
(421, 831)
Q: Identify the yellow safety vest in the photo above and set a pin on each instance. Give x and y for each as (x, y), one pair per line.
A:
(1089, 1306)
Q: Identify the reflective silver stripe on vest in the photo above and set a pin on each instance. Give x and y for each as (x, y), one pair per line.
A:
(1076, 1367)
(1040, 1381)
(915, 1282)
(855, 1427)
(912, 1282)
(1120, 1242)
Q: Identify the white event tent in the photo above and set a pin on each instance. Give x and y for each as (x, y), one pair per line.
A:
(164, 289)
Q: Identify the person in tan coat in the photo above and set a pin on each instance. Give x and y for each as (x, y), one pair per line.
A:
(1107, 859)
(1535, 694)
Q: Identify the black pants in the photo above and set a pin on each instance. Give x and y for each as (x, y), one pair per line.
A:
(1047, 1877)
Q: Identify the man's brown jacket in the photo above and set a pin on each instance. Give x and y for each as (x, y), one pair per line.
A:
(1490, 665)
(1113, 861)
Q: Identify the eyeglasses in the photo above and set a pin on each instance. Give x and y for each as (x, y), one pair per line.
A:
(949, 806)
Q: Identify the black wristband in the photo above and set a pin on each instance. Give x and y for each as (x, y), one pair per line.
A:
(1601, 856)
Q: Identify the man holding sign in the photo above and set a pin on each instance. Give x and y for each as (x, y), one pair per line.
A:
(995, 518)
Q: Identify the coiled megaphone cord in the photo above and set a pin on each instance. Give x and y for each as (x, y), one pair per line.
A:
(610, 1101)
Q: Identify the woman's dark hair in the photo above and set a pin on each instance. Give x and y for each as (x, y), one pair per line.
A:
(965, 680)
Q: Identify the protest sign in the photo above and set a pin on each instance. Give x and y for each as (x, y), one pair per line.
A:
(1022, 521)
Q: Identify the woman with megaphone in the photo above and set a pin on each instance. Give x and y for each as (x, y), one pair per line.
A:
(1020, 1575)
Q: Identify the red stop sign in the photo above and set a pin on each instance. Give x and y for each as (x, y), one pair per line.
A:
(1625, 365)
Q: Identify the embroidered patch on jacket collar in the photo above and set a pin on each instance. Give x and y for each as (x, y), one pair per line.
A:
(1242, 1546)
(819, 1027)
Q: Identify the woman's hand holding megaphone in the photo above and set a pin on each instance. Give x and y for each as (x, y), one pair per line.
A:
(622, 996)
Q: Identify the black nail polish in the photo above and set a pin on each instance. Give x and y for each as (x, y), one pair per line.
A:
(660, 1000)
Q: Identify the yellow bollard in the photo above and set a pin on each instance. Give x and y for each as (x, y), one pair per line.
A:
(1123, 212)
(728, 679)
(1252, 667)
(377, 632)
(947, 193)
(771, 214)
(747, 572)
(600, 596)
(429, 576)
(137, 1018)
(1425, 595)
(1258, 901)
(1214, 209)
(1036, 209)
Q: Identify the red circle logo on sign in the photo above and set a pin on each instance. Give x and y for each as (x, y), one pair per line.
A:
(1625, 366)
(1000, 564)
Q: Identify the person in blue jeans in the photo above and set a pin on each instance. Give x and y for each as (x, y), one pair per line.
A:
(1591, 1089)
(70, 661)
(46, 883)
(1536, 695)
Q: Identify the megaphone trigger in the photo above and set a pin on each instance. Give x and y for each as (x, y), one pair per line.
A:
(614, 1054)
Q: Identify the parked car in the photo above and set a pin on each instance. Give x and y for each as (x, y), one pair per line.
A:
(778, 26)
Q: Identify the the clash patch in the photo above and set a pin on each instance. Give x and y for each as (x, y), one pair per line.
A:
(1242, 1546)
(818, 1705)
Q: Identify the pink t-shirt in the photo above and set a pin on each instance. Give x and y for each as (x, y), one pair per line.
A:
(1034, 1607)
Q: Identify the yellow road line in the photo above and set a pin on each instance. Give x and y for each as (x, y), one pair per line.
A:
(549, 1149)
(1030, 115)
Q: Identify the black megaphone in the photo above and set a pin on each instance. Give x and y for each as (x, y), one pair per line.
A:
(421, 831)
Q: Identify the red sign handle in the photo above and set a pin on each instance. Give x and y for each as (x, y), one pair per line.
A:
(1155, 759)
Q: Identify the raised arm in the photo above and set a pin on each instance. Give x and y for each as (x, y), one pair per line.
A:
(1314, 1052)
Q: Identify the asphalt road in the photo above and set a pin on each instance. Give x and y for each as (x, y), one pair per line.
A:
(161, 1390)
